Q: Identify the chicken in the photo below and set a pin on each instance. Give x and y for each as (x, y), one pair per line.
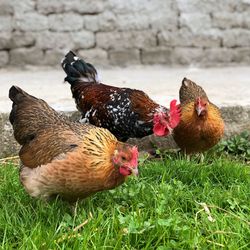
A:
(201, 126)
(125, 112)
(60, 157)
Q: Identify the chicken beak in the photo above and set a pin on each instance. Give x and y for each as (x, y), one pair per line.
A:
(134, 171)
(170, 129)
(199, 110)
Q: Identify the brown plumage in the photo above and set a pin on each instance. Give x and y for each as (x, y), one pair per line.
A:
(201, 126)
(59, 157)
(131, 116)
(126, 112)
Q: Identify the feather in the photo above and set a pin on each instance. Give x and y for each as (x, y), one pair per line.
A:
(78, 70)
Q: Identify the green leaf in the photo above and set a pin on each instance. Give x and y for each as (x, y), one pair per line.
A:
(165, 222)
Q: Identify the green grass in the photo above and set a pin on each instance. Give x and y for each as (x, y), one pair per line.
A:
(163, 209)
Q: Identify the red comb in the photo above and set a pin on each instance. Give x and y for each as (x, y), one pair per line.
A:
(174, 114)
(159, 128)
(134, 161)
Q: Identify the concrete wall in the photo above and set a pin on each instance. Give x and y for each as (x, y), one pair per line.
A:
(120, 32)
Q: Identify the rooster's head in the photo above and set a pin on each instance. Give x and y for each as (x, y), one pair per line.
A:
(165, 123)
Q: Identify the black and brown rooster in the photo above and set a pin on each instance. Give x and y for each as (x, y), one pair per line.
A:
(125, 112)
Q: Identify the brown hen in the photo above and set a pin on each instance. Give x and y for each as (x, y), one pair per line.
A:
(201, 126)
(59, 157)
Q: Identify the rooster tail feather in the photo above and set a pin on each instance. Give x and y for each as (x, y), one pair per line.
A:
(78, 70)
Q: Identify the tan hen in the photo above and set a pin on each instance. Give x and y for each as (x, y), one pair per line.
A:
(60, 157)
(201, 126)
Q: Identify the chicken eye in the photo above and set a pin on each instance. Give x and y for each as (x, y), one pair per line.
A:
(123, 158)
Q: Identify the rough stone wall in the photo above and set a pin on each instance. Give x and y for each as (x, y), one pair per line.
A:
(122, 32)
(236, 121)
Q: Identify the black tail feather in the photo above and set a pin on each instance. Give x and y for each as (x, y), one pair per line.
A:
(78, 70)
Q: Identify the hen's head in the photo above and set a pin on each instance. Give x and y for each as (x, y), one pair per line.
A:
(201, 106)
(165, 123)
(126, 158)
